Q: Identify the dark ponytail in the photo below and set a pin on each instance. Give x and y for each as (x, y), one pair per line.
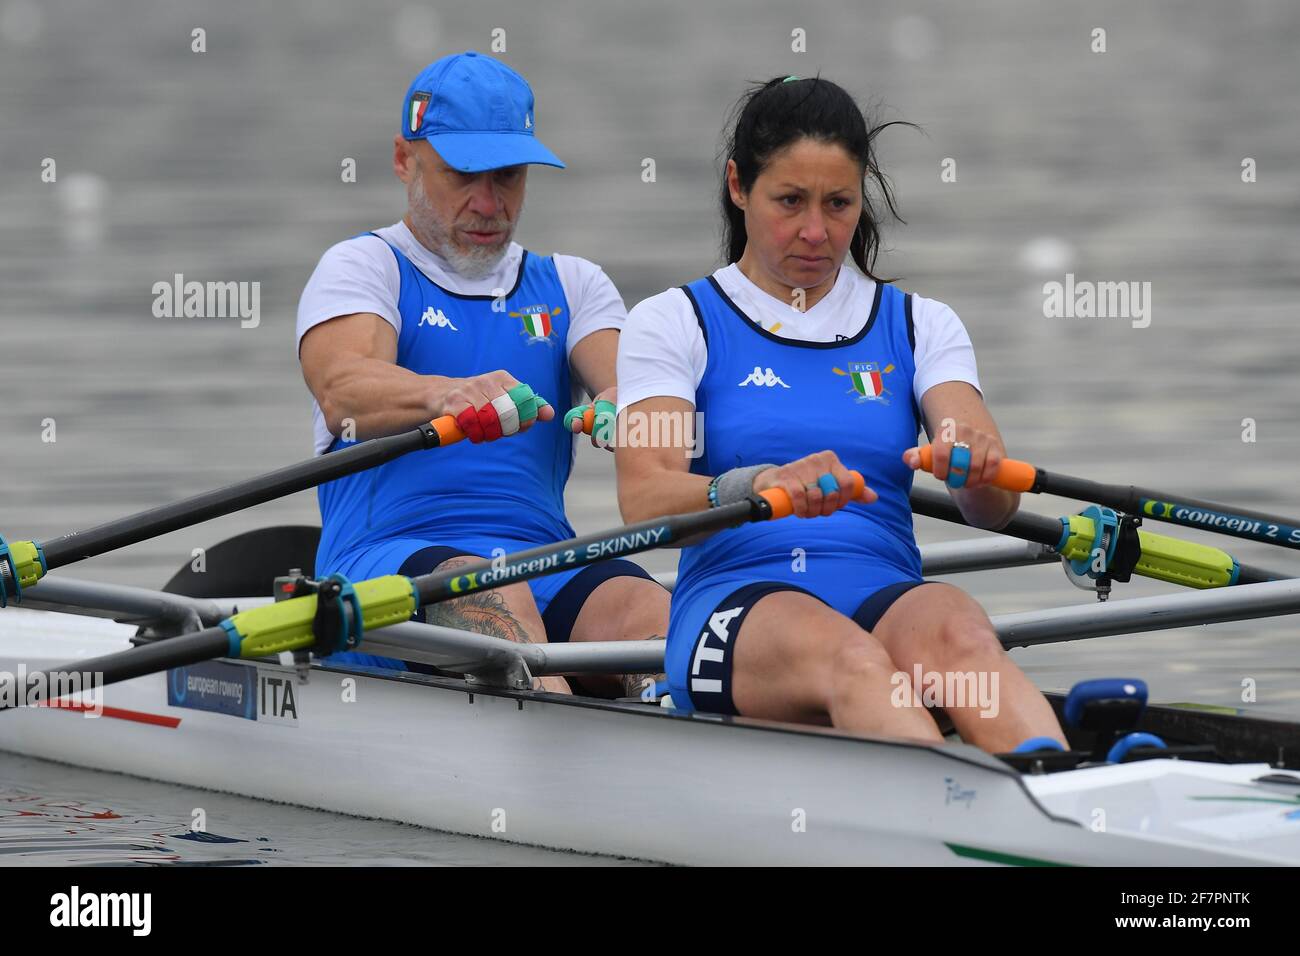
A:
(776, 114)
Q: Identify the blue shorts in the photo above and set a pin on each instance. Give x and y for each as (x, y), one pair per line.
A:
(559, 597)
(705, 621)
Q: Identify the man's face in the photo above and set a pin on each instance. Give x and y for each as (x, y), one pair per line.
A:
(467, 218)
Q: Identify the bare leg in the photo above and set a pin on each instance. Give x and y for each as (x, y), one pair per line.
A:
(621, 609)
(798, 660)
(945, 632)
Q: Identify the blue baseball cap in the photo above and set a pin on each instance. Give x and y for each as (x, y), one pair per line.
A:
(476, 112)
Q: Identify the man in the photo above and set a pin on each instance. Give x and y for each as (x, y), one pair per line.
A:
(443, 314)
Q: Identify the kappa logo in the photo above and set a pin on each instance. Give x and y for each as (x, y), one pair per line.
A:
(435, 319)
(528, 121)
(764, 377)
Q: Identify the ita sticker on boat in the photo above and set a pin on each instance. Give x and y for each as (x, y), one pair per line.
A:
(253, 693)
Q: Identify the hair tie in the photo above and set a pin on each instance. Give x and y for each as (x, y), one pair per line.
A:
(790, 79)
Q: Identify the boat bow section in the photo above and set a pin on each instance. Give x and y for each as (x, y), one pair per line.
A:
(1246, 813)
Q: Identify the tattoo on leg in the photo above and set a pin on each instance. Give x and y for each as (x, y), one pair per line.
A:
(634, 685)
(482, 613)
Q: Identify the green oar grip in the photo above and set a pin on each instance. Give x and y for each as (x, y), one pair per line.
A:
(1163, 558)
(26, 565)
(287, 625)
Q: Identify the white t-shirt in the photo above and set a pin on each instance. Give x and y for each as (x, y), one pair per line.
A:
(662, 351)
(361, 275)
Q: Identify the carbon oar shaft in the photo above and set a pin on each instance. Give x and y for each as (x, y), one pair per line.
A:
(123, 665)
(1045, 530)
(1173, 509)
(111, 535)
(588, 549)
(604, 545)
(1025, 525)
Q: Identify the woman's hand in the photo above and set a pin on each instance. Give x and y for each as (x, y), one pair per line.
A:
(605, 427)
(799, 479)
(986, 454)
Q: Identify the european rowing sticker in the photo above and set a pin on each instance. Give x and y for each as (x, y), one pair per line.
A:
(214, 686)
(868, 380)
(252, 693)
(537, 321)
(419, 103)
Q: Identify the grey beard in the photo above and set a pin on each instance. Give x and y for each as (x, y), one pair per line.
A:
(477, 264)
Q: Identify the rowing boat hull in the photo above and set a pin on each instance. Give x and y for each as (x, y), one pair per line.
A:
(637, 781)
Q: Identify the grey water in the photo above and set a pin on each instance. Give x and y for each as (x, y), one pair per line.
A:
(1040, 155)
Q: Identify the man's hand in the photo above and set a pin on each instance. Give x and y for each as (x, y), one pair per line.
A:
(492, 406)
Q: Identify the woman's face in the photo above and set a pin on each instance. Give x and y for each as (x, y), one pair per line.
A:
(801, 213)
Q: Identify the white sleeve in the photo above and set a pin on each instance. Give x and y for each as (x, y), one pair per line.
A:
(661, 352)
(943, 348)
(356, 275)
(594, 302)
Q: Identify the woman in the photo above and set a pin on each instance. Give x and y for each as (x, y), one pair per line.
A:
(783, 353)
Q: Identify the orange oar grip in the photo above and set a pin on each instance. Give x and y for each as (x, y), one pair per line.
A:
(783, 507)
(1012, 475)
(859, 484)
(1016, 475)
(448, 431)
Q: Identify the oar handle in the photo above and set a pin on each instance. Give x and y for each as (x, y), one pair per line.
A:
(1012, 475)
(448, 431)
(600, 415)
(783, 507)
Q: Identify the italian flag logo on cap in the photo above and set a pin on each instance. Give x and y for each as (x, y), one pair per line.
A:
(419, 103)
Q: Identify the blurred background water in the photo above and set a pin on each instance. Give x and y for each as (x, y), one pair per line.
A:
(225, 165)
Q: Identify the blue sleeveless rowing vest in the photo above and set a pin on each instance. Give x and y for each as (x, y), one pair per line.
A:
(764, 398)
(512, 488)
